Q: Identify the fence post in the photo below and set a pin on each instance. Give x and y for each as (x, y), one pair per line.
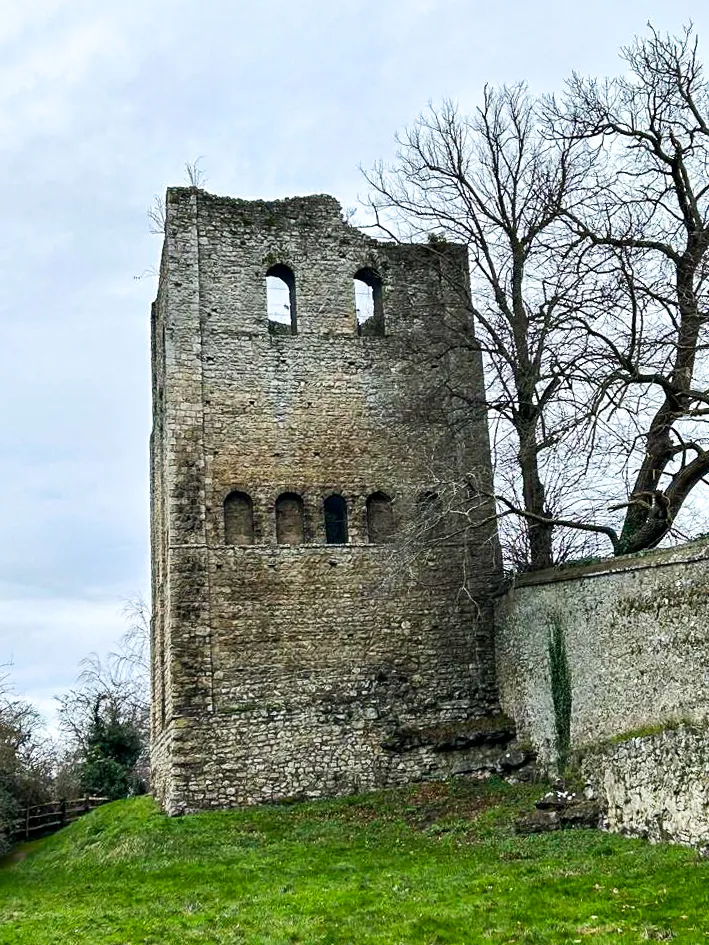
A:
(27, 823)
(62, 811)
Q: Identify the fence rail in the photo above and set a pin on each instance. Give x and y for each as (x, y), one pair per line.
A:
(41, 819)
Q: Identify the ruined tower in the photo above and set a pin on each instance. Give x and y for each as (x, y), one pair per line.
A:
(299, 647)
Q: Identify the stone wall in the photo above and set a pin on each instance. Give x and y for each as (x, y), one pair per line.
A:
(636, 637)
(655, 785)
(287, 669)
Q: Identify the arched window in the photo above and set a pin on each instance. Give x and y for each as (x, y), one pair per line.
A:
(280, 300)
(289, 519)
(335, 509)
(368, 302)
(380, 518)
(238, 519)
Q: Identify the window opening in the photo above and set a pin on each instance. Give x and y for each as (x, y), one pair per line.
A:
(335, 509)
(368, 302)
(238, 519)
(280, 300)
(380, 518)
(289, 519)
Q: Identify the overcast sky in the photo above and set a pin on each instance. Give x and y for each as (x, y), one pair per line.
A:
(101, 104)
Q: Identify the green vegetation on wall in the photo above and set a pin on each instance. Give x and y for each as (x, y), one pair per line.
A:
(560, 678)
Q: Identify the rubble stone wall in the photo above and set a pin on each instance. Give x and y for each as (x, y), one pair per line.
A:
(656, 784)
(636, 639)
(284, 670)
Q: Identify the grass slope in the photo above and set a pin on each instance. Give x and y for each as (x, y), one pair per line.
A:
(429, 864)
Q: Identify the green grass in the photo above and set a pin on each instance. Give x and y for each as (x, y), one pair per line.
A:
(429, 864)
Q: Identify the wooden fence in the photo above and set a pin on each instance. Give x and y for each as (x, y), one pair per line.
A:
(43, 819)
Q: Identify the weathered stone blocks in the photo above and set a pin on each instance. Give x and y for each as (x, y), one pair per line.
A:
(283, 663)
(636, 639)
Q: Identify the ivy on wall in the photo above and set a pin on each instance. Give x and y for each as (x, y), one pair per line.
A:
(560, 678)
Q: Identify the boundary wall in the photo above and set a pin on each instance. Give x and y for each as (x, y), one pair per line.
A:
(633, 634)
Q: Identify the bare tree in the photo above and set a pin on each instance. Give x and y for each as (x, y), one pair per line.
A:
(196, 177)
(157, 217)
(157, 211)
(494, 182)
(645, 216)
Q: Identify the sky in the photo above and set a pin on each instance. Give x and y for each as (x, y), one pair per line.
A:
(101, 106)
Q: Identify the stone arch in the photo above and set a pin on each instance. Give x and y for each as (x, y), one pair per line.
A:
(290, 520)
(238, 519)
(380, 518)
(280, 300)
(335, 509)
(369, 302)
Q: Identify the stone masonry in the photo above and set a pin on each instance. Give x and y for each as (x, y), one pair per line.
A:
(636, 643)
(297, 650)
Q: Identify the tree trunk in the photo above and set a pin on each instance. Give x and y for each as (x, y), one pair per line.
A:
(649, 516)
(539, 534)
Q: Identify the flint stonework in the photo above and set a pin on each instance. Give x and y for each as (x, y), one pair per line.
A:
(291, 669)
(636, 633)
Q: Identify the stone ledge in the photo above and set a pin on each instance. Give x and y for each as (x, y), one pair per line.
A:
(689, 553)
(455, 736)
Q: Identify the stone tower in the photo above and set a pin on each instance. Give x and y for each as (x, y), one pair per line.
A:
(300, 647)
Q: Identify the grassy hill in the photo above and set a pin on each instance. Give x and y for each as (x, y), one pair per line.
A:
(429, 864)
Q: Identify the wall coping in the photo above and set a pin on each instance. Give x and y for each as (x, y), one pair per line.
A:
(688, 553)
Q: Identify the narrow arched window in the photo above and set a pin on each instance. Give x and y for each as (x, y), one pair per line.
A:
(380, 518)
(280, 300)
(238, 519)
(289, 519)
(369, 305)
(335, 509)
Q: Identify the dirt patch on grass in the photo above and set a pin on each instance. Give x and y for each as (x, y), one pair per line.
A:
(436, 801)
(423, 805)
(14, 856)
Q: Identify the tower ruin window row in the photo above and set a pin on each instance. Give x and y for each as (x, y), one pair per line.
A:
(290, 519)
(282, 310)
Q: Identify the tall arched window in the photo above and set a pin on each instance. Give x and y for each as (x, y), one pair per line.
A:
(380, 518)
(280, 300)
(289, 519)
(238, 519)
(335, 509)
(368, 302)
